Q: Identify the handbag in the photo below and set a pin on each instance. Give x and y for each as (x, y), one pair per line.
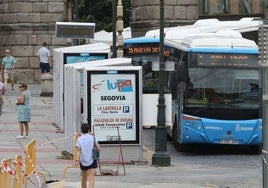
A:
(95, 151)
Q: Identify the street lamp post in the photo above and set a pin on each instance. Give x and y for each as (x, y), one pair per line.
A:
(161, 157)
(264, 68)
(120, 28)
(114, 27)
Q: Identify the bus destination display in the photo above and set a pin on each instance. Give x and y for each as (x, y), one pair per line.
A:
(147, 49)
(229, 60)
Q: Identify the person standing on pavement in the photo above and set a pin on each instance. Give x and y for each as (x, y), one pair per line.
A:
(8, 66)
(2, 92)
(84, 145)
(44, 57)
(24, 111)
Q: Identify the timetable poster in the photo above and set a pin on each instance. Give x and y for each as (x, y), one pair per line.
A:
(113, 106)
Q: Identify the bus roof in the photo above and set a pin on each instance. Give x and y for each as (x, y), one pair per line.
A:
(208, 26)
(141, 40)
(222, 41)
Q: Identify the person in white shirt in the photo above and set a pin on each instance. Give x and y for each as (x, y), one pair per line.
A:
(85, 160)
(45, 59)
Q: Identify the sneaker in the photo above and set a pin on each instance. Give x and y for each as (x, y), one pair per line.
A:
(20, 137)
(26, 137)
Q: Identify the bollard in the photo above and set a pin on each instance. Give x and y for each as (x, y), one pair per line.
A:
(47, 85)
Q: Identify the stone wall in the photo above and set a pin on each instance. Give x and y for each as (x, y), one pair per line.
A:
(24, 26)
(146, 14)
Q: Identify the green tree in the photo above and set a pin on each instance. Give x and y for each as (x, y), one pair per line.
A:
(100, 13)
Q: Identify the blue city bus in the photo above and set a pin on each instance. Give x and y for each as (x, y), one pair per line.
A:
(215, 87)
(144, 51)
(216, 91)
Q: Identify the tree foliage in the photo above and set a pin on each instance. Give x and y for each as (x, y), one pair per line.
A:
(100, 12)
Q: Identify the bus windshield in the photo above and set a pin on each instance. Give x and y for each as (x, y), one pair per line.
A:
(150, 77)
(222, 93)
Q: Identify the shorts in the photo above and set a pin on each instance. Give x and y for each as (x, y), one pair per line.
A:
(93, 165)
(8, 74)
(44, 67)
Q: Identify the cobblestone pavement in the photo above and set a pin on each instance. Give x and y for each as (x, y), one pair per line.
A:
(50, 161)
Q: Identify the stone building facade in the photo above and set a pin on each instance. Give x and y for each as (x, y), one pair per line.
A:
(24, 26)
(146, 13)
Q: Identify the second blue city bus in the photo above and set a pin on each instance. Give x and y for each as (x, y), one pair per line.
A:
(215, 86)
(216, 90)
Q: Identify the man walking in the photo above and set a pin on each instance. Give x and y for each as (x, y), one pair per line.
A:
(44, 57)
(8, 66)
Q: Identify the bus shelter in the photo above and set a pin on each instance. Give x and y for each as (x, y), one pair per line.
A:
(77, 107)
(71, 55)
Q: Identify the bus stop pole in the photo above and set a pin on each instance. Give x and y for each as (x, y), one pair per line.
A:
(114, 28)
(161, 157)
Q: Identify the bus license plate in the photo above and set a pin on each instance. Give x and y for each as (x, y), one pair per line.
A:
(229, 141)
